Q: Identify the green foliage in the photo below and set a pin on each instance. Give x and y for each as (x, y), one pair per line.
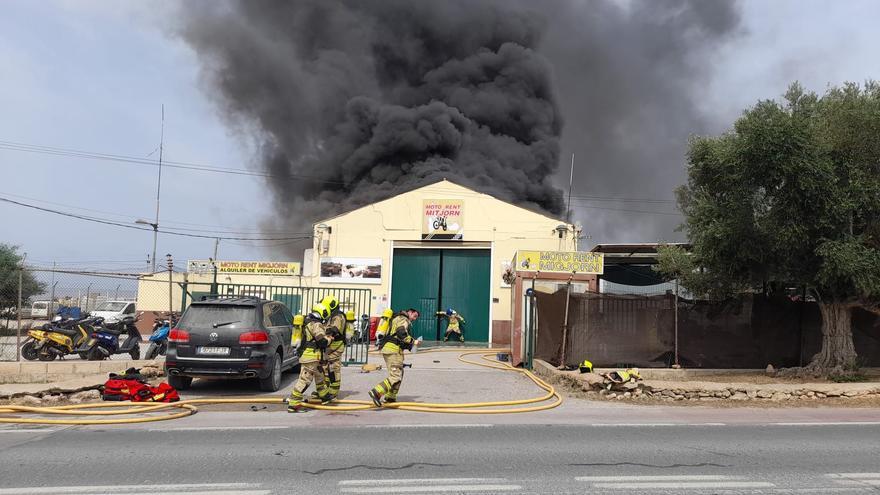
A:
(790, 195)
(9, 267)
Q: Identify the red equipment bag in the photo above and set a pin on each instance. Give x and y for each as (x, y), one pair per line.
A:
(120, 389)
(135, 391)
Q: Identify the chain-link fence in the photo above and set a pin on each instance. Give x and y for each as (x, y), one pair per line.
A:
(47, 292)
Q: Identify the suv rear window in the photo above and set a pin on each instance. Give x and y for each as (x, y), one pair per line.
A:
(205, 316)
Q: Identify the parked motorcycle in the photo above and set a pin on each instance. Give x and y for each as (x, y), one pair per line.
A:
(56, 339)
(159, 338)
(104, 340)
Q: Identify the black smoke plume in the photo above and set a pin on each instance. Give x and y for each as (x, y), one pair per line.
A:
(362, 99)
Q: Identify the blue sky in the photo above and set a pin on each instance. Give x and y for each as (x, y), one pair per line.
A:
(92, 75)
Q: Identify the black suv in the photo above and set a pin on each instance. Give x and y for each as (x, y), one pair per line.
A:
(231, 338)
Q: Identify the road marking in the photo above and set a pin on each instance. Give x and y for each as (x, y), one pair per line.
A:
(221, 428)
(445, 425)
(431, 489)
(859, 482)
(715, 485)
(851, 476)
(699, 477)
(836, 423)
(33, 430)
(215, 488)
(411, 481)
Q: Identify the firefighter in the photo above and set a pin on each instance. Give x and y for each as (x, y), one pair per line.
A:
(453, 329)
(398, 339)
(296, 336)
(314, 341)
(335, 328)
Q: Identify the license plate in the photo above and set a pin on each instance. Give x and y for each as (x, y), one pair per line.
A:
(214, 351)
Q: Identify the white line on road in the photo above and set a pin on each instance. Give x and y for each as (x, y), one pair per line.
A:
(854, 475)
(33, 430)
(221, 428)
(859, 482)
(699, 477)
(445, 425)
(410, 481)
(133, 489)
(836, 423)
(714, 485)
(432, 489)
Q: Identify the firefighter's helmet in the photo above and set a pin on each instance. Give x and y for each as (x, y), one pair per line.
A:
(349, 316)
(298, 320)
(586, 367)
(321, 311)
(331, 302)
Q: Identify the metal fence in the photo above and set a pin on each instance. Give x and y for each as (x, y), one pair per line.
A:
(54, 290)
(751, 331)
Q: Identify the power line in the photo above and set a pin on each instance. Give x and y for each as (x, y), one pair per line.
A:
(51, 150)
(164, 222)
(169, 232)
(667, 213)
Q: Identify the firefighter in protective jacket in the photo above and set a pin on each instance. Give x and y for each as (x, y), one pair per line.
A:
(398, 339)
(336, 350)
(314, 342)
(453, 329)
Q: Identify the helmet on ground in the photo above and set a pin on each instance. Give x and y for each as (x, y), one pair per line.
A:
(450, 311)
(388, 313)
(331, 302)
(298, 320)
(586, 367)
(321, 311)
(634, 372)
(349, 316)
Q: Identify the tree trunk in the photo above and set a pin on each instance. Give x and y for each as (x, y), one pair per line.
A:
(837, 341)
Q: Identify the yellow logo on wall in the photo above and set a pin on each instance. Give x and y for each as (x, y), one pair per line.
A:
(442, 220)
(579, 262)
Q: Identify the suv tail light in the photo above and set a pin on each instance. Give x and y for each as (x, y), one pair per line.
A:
(178, 335)
(253, 338)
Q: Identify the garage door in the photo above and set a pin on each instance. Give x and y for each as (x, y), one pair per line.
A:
(432, 280)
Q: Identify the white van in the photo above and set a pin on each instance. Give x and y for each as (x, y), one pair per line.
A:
(40, 309)
(113, 311)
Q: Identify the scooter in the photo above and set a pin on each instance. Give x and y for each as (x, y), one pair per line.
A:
(56, 339)
(159, 338)
(104, 341)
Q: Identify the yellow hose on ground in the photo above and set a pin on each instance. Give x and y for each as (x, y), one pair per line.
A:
(189, 406)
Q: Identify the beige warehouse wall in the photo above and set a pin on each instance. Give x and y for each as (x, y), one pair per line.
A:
(371, 231)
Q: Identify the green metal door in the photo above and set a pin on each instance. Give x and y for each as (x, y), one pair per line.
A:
(465, 288)
(415, 283)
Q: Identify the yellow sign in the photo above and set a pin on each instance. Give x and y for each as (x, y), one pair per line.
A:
(579, 262)
(246, 267)
(442, 220)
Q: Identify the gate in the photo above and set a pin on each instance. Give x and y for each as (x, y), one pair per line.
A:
(299, 300)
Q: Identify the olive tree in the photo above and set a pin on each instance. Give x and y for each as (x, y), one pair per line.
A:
(791, 195)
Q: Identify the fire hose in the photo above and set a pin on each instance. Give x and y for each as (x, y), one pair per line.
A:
(549, 400)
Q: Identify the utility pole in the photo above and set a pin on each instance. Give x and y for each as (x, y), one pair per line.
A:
(677, 364)
(570, 181)
(170, 261)
(216, 248)
(18, 328)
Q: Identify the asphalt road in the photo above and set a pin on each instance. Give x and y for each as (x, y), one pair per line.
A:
(442, 458)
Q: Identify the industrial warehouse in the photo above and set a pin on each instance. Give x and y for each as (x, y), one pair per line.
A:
(438, 247)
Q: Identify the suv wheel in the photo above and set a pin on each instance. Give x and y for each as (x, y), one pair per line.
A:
(272, 382)
(180, 382)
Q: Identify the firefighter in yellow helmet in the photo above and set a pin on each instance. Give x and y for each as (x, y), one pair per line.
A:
(314, 341)
(333, 355)
(398, 339)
